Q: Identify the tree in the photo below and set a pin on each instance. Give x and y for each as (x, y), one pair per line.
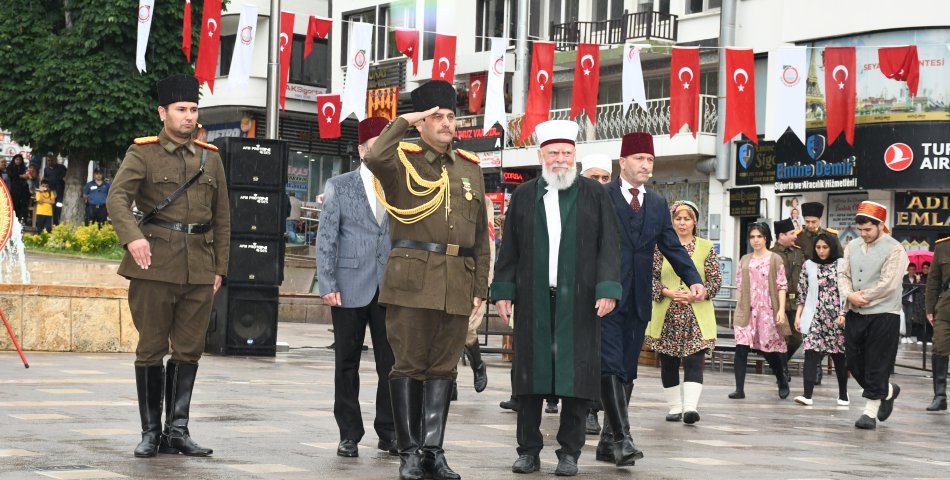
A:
(72, 86)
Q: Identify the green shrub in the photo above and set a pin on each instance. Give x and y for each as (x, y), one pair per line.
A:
(85, 239)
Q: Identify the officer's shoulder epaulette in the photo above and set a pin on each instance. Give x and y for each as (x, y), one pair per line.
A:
(206, 145)
(944, 239)
(798, 232)
(410, 147)
(145, 140)
(468, 156)
(831, 230)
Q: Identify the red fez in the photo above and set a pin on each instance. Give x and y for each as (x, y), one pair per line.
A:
(874, 210)
(636, 142)
(371, 127)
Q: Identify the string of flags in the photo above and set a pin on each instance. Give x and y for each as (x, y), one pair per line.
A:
(785, 102)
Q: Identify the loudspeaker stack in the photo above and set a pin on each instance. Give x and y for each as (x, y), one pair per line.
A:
(244, 318)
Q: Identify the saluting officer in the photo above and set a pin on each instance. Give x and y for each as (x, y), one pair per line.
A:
(175, 259)
(812, 213)
(437, 274)
(937, 305)
(793, 259)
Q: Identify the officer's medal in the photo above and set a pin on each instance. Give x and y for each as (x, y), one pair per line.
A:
(467, 186)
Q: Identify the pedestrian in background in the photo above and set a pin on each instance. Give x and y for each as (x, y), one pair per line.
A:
(94, 194)
(937, 306)
(55, 174)
(20, 188)
(45, 200)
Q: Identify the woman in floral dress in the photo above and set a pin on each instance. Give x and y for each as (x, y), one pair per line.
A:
(819, 317)
(760, 321)
(681, 329)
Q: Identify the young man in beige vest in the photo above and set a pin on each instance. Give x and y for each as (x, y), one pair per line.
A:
(871, 282)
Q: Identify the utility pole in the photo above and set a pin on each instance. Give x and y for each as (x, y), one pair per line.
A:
(727, 38)
(273, 69)
(519, 87)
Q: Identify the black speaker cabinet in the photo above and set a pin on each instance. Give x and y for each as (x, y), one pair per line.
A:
(243, 321)
(257, 212)
(256, 260)
(253, 163)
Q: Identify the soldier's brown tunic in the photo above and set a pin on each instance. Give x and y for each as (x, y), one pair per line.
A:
(937, 296)
(806, 240)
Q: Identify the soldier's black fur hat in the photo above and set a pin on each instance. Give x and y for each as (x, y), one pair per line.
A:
(177, 88)
(435, 93)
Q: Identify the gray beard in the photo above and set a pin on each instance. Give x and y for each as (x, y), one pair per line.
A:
(560, 181)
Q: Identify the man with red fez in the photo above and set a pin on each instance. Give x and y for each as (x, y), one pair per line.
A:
(870, 279)
(558, 264)
(644, 220)
(437, 273)
(352, 249)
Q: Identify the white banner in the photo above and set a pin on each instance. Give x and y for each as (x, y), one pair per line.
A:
(632, 87)
(495, 92)
(357, 71)
(243, 55)
(785, 93)
(145, 13)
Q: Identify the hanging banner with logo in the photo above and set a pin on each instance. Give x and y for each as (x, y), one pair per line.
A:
(243, 54)
(495, 93)
(359, 46)
(793, 167)
(785, 93)
(382, 102)
(146, 9)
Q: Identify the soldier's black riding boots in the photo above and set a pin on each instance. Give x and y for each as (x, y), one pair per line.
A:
(615, 399)
(940, 364)
(179, 383)
(435, 412)
(406, 395)
(480, 370)
(150, 383)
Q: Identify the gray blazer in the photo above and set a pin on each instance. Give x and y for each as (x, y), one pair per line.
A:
(351, 248)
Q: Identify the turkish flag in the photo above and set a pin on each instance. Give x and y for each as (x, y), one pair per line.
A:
(476, 92)
(586, 81)
(840, 92)
(407, 42)
(328, 110)
(684, 90)
(540, 87)
(317, 28)
(286, 46)
(901, 64)
(210, 43)
(443, 62)
(186, 32)
(740, 94)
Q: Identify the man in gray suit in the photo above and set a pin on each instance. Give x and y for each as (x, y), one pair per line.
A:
(352, 248)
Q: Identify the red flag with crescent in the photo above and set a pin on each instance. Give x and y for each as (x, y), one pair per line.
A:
(443, 62)
(586, 81)
(209, 44)
(328, 110)
(407, 42)
(476, 92)
(317, 28)
(901, 64)
(286, 45)
(684, 90)
(840, 92)
(740, 94)
(540, 87)
(186, 31)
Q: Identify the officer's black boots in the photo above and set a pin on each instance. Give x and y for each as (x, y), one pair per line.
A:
(179, 383)
(435, 413)
(940, 364)
(614, 396)
(150, 383)
(406, 396)
(474, 353)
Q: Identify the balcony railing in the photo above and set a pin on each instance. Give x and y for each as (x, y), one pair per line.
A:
(639, 25)
(612, 124)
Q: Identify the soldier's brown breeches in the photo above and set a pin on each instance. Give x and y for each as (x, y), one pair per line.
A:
(166, 312)
(426, 343)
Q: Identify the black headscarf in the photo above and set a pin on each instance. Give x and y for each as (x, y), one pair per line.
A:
(833, 255)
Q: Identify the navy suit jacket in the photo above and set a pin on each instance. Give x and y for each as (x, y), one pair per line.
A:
(636, 253)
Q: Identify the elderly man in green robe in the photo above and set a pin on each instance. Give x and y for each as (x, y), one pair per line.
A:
(559, 263)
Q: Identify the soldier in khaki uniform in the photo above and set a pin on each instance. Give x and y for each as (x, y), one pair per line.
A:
(793, 259)
(175, 261)
(937, 305)
(812, 213)
(437, 274)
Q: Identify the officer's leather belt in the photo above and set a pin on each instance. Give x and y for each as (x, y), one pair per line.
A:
(450, 249)
(190, 228)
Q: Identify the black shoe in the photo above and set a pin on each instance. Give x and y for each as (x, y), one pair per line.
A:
(674, 417)
(388, 446)
(593, 426)
(510, 404)
(690, 418)
(938, 403)
(179, 384)
(566, 466)
(866, 423)
(481, 377)
(435, 467)
(887, 406)
(736, 395)
(783, 391)
(605, 449)
(435, 410)
(551, 407)
(625, 452)
(526, 464)
(150, 385)
(347, 448)
(406, 397)
(940, 366)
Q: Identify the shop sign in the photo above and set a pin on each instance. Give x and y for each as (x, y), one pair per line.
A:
(922, 211)
(489, 159)
(744, 202)
(304, 92)
(793, 167)
(904, 156)
(475, 140)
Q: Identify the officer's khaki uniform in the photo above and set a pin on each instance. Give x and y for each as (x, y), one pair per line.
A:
(172, 299)
(793, 259)
(429, 295)
(806, 240)
(937, 296)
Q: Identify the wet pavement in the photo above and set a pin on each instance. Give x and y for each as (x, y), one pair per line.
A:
(74, 416)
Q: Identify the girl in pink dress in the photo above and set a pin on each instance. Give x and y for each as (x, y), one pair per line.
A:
(762, 321)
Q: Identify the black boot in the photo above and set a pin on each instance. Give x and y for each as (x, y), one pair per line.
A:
(940, 364)
(406, 395)
(779, 367)
(150, 383)
(605, 449)
(739, 366)
(474, 353)
(615, 411)
(435, 412)
(179, 383)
